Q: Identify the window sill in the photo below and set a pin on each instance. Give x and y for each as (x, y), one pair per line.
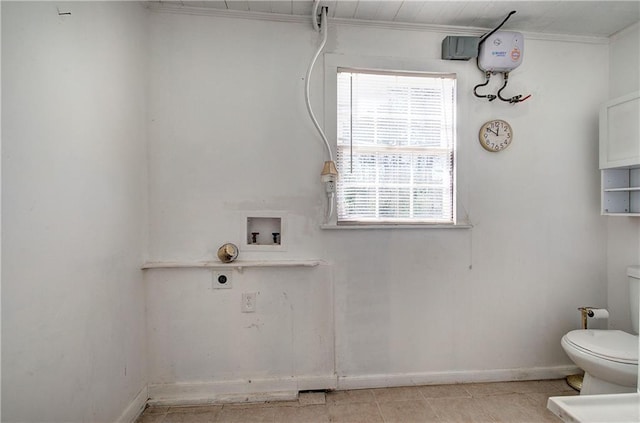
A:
(397, 226)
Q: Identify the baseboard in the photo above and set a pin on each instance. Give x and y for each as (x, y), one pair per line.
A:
(135, 408)
(286, 389)
(234, 391)
(443, 378)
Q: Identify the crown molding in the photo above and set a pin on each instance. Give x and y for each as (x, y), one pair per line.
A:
(625, 31)
(402, 26)
(223, 13)
(464, 30)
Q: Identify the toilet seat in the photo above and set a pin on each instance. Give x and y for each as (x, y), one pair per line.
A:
(611, 345)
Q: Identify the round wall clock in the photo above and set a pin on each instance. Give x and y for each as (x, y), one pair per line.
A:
(495, 135)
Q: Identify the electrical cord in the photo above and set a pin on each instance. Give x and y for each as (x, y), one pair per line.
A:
(329, 185)
(484, 37)
(323, 30)
(314, 16)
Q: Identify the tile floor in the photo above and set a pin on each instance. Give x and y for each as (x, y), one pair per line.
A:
(512, 402)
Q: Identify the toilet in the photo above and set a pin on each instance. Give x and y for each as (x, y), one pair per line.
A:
(609, 358)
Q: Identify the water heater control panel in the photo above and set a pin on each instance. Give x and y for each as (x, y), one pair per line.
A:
(501, 52)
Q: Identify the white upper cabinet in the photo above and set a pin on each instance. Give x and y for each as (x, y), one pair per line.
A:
(620, 156)
(620, 132)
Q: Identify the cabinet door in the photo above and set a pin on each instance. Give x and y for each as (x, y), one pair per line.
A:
(620, 132)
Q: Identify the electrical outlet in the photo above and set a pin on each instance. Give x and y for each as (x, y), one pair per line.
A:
(249, 302)
(330, 186)
(221, 280)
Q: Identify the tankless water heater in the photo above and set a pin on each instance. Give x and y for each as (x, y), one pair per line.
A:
(501, 51)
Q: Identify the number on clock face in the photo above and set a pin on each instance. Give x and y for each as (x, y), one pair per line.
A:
(495, 135)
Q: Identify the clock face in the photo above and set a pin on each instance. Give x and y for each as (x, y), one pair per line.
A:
(496, 135)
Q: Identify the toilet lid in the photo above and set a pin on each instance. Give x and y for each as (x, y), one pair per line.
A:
(614, 345)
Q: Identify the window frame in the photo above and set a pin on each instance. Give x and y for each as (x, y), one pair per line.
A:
(334, 62)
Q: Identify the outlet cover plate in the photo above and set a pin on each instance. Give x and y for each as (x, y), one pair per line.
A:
(249, 302)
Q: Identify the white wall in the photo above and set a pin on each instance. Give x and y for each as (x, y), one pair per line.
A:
(533, 262)
(74, 211)
(230, 134)
(623, 233)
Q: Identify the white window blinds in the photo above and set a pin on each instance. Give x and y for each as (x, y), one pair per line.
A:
(395, 147)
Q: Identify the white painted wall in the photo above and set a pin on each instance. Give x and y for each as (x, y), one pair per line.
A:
(240, 143)
(623, 233)
(74, 211)
(229, 134)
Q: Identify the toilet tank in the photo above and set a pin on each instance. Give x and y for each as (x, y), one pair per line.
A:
(633, 273)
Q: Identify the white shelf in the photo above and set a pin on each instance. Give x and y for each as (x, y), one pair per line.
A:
(397, 226)
(238, 264)
(621, 191)
(625, 189)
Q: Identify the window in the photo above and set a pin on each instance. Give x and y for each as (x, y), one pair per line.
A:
(395, 147)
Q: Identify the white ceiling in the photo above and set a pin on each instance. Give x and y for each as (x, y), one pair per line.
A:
(584, 18)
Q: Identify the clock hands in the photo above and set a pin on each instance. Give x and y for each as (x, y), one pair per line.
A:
(493, 132)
